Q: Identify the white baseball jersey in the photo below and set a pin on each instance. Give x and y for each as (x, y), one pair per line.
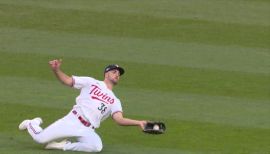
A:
(95, 100)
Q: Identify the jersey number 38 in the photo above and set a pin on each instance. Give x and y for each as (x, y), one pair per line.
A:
(102, 108)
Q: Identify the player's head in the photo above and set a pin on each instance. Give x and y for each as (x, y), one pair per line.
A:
(113, 72)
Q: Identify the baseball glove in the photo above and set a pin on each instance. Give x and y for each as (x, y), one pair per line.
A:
(154, 128)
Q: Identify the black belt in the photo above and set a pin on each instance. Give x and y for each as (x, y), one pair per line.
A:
(84, 122)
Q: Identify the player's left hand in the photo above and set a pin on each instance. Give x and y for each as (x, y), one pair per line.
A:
(153, 127)
(142, 124)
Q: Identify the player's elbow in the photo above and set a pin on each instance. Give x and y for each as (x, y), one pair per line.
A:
(118, 118)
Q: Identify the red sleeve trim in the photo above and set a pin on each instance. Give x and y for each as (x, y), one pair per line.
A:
(73, 82)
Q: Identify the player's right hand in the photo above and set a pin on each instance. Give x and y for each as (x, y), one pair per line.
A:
(55, 64)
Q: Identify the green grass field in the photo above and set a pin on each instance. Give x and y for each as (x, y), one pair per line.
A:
(203, 67)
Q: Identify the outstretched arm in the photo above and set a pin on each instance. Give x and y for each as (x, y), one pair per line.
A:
(119, 119)
(62, 77)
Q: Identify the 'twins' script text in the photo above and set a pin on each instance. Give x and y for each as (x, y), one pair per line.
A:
(99, 95)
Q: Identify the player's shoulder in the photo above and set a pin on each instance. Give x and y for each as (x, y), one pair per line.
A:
(86, 79)
(83, 77)
(111, 93)
(116, 98)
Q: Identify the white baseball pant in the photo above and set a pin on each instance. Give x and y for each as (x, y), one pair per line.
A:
(68, 126)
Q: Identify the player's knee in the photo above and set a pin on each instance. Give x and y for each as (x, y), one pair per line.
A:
(94, 148)
(40, 140)
(99, 147)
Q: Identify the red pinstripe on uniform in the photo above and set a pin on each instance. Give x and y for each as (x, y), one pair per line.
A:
(33, 129)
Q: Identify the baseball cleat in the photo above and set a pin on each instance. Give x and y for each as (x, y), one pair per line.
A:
(57, 145)
(37, 120)
(23, 125)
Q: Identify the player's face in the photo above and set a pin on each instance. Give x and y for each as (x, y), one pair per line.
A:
(113, 76)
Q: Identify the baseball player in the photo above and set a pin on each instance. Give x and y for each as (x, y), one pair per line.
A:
(95, 103)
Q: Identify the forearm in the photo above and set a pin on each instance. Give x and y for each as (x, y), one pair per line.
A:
(120, 120)
(63, 78)
(128, 122)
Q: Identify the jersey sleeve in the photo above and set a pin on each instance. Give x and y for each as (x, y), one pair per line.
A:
(117, 107)
(81, 81)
